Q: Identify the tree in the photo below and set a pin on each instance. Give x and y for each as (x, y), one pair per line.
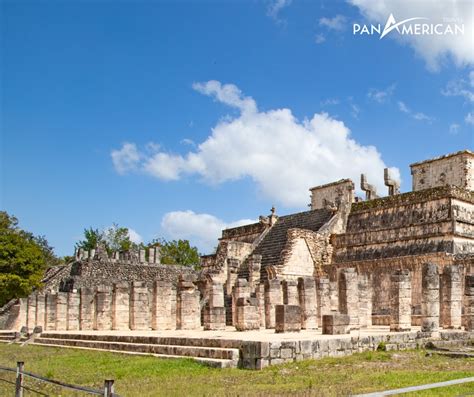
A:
(178, 252)
(115, 238)
(23, 259)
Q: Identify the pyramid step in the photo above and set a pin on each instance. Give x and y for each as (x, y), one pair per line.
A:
(172, 350)
(211, 362)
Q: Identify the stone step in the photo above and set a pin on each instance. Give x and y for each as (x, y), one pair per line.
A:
(169, 350)
(211, 362)
(155, 340)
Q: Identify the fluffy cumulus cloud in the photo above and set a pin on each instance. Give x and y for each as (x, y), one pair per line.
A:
(134, 236)
(434, 49)
(284, 156)
(126, 158)
(202, 230)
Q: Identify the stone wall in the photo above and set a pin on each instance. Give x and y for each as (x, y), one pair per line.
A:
(453, 169)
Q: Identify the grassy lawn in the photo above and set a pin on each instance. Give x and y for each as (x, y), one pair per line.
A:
(149, 376)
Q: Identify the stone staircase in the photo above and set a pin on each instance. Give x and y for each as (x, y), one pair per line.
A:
(206, 351)
(8, 336)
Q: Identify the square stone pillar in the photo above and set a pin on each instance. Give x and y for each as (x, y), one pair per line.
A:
(365, 301)
(87, 309)
(400, 301)
(73, 311)
(336, 324)
(260, 296)
(140, 315)
(469, 302)
(290, 292)
(163, 307)
(255, 264)
(50, 316)
(232, 274)
(61, 311)
(158, 255)
(247, 317)
(324, 298)
(103, 308)
(334, 295)
(141, 256)
(287, 318)
(430, 298)
(308, 302)
(151, 256)
(241, 290)
(121, 306)
(273, 297)
(451, 297)
(31, 312)
(40, 310)
(349, 296)
(188, 309)
(214, 311)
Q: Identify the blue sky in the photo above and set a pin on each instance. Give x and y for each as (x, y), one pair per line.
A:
(176, 119)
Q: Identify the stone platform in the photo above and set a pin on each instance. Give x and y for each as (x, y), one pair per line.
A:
(252, 349)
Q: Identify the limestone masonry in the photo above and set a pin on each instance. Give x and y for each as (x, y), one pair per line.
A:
(402, 260)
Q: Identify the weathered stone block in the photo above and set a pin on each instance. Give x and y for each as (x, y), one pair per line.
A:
(336, 324)
(288, 318)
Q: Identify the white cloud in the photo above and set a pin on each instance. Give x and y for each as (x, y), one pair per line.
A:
(471, 78)
(281, 154)
(454, 128)
(422, 117)
(355, 110)
(461, 88)
(434, 49)
(125, 159)
(469, 119)
(330, 102)
(336, 23)
(275, 6)
(134, 236)
(201, 230)
(403, 108)
(381, 96)
(319, 38)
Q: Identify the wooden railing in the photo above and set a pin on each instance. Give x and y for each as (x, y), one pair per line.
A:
(108, 390)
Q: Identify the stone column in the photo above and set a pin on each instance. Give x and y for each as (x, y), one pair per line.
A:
(430, 298)
(334, 295)
(158, 255)
(139, 307)
(232, 269)
(469, 302)
(324, 299)
(451, 297)
(73, 311)
(151, 256)
(260, 296)
(290, 292)
(22, 317)
(163, 303)
(50, 316)
(121, 306)
(103, 308)
(365, 301)
(188, 309)
(255, 264)
(87, 309)
(308, 302)
(240, 290)
(400, 301)
(247, 317)
(61, 311)
(31, 312)
(349, 296)
(287, 318)
(214, 311)
(40, 310)
(273, 297)
(141, 256)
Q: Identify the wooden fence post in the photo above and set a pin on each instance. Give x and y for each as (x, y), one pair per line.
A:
(19, 379)
(108, 388)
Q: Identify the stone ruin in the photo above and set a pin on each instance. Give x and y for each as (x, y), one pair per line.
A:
(403, 260)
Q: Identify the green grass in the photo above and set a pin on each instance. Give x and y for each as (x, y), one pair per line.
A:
(149, 376)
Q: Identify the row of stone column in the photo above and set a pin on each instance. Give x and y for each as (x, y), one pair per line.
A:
(120, 307)
(154, 256)
(442, 299)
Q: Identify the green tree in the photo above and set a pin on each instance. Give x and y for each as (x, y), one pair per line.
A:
(178, 252)
(23, 259)
(92, 237)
